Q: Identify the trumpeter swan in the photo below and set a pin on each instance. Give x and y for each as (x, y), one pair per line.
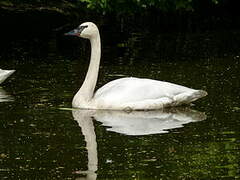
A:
(125, 93)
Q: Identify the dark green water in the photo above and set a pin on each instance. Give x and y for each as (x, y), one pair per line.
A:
(42, 139)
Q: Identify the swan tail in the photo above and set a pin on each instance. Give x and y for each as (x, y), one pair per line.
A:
(202, 93)
(188, 97)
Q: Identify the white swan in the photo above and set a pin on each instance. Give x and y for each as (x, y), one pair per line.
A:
(4, 74)
(125, 93)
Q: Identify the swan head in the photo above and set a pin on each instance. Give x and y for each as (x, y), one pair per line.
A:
(86, 30)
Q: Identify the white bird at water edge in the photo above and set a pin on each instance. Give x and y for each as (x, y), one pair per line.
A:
(4, 74)
(125, 93)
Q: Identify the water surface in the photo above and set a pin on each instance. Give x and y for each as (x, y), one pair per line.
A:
(42, 138)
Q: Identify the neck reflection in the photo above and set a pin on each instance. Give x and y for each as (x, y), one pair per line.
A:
(85, 121)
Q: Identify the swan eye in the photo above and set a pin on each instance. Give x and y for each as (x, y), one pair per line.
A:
(81, 28)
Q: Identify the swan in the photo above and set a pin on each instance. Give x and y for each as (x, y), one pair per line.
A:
(4, 74)
(127, 93)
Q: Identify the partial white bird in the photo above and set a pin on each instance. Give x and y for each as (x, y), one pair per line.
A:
(125, 93)
(4, 74)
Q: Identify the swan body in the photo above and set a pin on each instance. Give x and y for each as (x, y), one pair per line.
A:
(4, 74)
(125, 93)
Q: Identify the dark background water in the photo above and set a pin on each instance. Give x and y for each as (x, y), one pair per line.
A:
(42, 139)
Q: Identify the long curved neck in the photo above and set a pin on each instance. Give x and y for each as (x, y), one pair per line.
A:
(90, 81)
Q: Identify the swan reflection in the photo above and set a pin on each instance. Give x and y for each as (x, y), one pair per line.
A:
(142, 122)
(129, 123)
(4, 97)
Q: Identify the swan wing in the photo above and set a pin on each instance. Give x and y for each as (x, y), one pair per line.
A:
(146, 93)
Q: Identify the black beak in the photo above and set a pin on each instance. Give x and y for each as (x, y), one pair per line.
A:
(76, 32)
(72, 33)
